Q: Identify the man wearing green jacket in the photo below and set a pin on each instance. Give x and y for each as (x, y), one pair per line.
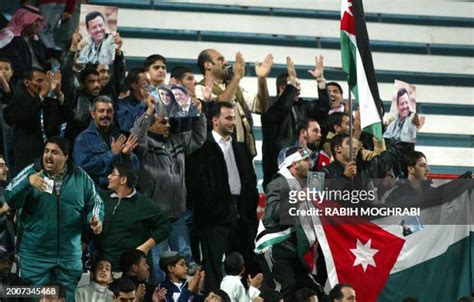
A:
(56, 201)
(132, 221)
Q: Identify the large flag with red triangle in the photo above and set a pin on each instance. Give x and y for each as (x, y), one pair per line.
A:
(384, 264)
(359, 253)
(357, 63)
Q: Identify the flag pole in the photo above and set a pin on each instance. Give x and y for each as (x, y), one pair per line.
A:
(350, 123)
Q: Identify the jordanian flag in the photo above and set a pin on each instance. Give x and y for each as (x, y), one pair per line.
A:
(434, 263)
(357, 63)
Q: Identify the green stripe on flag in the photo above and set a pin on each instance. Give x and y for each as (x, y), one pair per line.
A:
(444, 278)
(375, 130)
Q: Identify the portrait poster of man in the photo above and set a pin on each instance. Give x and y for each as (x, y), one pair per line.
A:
(184, 100)
(98, 24)
(402, 120)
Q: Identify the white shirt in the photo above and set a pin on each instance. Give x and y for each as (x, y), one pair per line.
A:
(236, 290)
(232, 170)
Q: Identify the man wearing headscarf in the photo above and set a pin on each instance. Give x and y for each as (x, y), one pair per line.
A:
(19, 41)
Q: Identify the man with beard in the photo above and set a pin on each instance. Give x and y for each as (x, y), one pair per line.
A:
(97, 147)
(310, 138)
(225, 88)
(223, 186)
(288, 270)
(280, 121)
(56, 202)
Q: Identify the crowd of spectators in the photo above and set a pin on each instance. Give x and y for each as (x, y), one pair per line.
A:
(149, 186)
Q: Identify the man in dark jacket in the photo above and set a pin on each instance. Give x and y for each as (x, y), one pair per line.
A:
(280, 121)
(133, 106)
(357, 174)
(223, 187)
(132, 221)
(281, 254)
(80, 102)
(161, 177)
(36, 116)
(97, 147)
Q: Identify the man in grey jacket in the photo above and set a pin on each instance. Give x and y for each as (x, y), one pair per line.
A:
(161, 178)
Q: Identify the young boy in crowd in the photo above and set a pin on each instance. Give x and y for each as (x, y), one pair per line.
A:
(234, 267)
(97, 290)
(178, 288)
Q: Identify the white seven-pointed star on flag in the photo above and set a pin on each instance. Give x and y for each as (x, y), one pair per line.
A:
(345, 7)
(364, 254)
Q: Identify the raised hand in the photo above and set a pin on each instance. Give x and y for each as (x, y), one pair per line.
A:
(317, 73)
(118, 144)
(140, 292)
(256, 281)
(418, 120)
(357, 122)
(202, 278)
(4, 84)
(76, 41)
(159, 294)
(56, 83)
(130, 144)
(118, 41)
(66, 16)
(351, 169)
(263, 69)
(239, 66)
(45, 86)
(193, 284)
(290, 66)
(197, 103)
(207, 93)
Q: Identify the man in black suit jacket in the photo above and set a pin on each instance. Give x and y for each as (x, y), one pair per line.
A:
(223, 187)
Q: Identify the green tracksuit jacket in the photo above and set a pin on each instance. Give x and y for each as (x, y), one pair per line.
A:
(50, 226)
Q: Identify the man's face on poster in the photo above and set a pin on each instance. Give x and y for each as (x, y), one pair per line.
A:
(181, 97)
(96, 29)
(403, 106)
